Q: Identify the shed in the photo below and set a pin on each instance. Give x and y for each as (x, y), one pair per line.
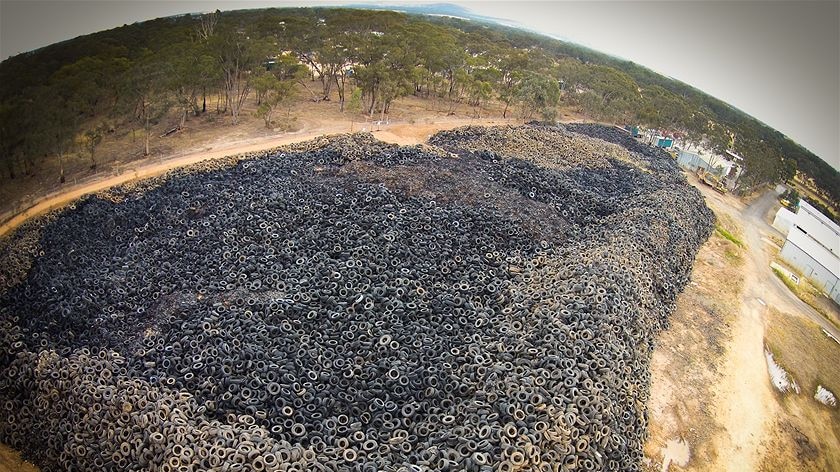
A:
(723, 166)
(693, 161)
(664, 142)
(784, 220)
(813, 248)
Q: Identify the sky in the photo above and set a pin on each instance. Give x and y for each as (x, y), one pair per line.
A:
(779, 61)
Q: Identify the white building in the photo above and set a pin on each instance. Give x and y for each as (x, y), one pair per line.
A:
(813, 248)
(727, 167)
(784, 220)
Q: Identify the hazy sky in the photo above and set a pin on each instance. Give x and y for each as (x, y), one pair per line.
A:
(778, 61)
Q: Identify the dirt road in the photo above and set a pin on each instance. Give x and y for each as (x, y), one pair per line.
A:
(757, 232)
(746, 407)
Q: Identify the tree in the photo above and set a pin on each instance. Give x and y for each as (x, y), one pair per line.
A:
(10, 135)
(58, 123)
(539, 94)
(476, 84)
(207, 26)
(89, 141)
(151, 98)
(663, 110)
(603, 92)
(277, 87)
(354, 105)
(512, 67)
(88, 84)
(792, 196)
(187, 70)
(238, 56)
(384, 71)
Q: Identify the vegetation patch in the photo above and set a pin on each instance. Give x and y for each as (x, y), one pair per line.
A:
(728, 236)
(790, 284)
(63, 104)
(801, 346)
(811, 429)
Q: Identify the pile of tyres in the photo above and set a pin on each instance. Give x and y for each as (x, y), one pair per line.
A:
(487, 302)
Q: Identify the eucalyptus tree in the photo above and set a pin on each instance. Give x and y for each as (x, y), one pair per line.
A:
(238, 55)
(151, 99)
(277, 87)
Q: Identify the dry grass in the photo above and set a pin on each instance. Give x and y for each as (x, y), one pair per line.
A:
(801, 346)
(810, 432)
(811, 295)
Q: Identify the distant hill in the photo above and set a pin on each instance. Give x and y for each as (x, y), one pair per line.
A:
(442, 9)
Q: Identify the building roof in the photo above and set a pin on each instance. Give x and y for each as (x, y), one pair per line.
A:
(815, 250)
(784, 219)
(710, 161)
(734, 156)
(817, 236)
(818, 226)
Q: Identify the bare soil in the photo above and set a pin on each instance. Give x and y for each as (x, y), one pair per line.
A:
(806, 430)
(689, 361)
(10, 461)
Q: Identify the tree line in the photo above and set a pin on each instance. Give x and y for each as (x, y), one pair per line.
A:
(65, 97)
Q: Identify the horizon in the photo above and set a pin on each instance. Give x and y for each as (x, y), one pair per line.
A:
(763, 90)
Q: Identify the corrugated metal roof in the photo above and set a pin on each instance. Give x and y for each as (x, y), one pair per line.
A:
(817, 251)
(819, 227)
(706, 161)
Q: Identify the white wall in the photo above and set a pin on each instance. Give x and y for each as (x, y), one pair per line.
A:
(821, 275)
(784, 220)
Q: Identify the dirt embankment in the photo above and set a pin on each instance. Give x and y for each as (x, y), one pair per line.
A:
(686, 393)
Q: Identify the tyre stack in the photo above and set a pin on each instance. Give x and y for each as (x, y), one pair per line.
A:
(488, 302)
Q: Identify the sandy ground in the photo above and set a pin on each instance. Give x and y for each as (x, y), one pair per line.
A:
(711, 392)
(10, 461)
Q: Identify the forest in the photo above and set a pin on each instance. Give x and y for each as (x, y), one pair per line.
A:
(64, 98)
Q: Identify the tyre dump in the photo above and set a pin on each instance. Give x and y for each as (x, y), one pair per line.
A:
(487, 302)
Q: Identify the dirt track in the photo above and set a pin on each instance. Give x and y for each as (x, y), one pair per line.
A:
(766, 286)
